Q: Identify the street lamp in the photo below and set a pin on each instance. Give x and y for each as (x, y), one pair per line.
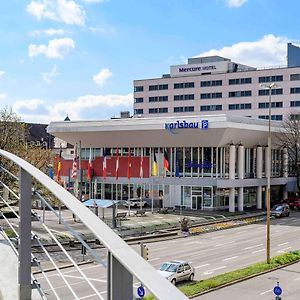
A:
(269, 87)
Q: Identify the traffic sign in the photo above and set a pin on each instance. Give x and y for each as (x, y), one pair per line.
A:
(277, 290)
(141, 291)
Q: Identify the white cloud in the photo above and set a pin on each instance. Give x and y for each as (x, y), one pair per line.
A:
(65, 11)
(235, 3)
(105, 106)
(50, 31)
(56, 48)
(48, 77)
(102, 77)
(268, 51)
(2, 96)
(2, 73)
(94, 1)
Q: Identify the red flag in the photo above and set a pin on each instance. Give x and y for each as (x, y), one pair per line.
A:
(104, 163)
(74, 165)
(141, 166)
(129, 165)
(90, 171)
(117, 165)
(166, 161)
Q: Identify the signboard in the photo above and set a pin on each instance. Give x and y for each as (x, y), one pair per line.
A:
(183, 124)
(141, 291)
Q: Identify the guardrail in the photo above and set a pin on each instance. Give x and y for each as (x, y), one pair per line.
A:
(123, 263)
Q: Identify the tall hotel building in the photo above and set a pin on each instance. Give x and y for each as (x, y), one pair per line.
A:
(198, 138)
(216, 85)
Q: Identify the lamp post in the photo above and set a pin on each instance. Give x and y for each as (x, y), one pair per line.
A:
(269, 87)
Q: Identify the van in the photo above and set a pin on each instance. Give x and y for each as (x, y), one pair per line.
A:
(136, 202)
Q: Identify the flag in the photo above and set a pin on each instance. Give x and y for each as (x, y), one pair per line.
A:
(177, 174)
(59, 166)
(117, 165)
(129, 165)
(154, 166)
(166, 161)
(90, 170)
(74, 165)
(104, 163)
(141, 166)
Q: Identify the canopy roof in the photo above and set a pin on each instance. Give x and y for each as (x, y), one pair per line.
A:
(103, 203)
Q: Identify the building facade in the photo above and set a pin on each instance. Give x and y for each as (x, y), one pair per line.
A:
(216, 85)
(213, 161)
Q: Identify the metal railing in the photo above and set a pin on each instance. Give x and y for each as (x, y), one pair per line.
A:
(122, 262)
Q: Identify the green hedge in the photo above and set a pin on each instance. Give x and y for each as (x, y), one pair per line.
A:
(195, 288)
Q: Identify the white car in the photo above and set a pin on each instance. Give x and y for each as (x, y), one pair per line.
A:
(177, 270)
(136, 203)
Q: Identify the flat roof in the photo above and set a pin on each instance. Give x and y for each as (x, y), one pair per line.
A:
(162, 131)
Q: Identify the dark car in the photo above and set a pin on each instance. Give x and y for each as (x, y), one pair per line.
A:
(280, 210)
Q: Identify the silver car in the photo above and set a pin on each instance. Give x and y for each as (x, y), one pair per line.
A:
(176, 271)
(280, 210)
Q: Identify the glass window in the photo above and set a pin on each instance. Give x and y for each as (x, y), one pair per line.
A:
(240, 81)
(138, 88)
(210, 107)
(184, 85)
(273, 105)
(138, 100)
(295, 90)
(270, 78)
(295, 103)
(240, 94)
(138, 111)
(295, 77)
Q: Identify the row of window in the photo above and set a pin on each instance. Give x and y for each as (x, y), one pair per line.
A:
(238, 106)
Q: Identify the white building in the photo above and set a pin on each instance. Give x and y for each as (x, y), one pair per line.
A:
(210, 85)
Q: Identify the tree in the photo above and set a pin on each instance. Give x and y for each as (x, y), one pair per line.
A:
(289, 137)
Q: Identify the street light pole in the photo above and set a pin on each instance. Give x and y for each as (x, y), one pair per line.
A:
(269, 153)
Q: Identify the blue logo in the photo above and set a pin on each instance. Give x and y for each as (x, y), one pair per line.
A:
(141, 291)
(277, 290)
(204, 124)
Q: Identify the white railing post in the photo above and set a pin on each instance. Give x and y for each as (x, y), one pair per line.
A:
(24, 247)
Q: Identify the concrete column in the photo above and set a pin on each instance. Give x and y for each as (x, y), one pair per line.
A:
(285, 162)
(241, 173)
(232, 156)
(24, 279)
(259, 160)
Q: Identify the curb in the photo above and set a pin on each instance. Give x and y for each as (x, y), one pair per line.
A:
(243, 279)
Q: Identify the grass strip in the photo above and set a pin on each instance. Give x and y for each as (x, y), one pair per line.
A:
(196, 288)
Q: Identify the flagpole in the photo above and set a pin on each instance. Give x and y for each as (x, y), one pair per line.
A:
(80, 173)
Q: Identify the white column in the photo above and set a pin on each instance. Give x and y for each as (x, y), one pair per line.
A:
(285, 162)
(232, 176)
(241, 172)
(259, 175)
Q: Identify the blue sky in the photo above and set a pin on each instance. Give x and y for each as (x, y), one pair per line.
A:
(80, 57)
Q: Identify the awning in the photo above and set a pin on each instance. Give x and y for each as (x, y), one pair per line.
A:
(100, 203)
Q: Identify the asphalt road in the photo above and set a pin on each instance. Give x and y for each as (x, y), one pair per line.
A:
(211, 254)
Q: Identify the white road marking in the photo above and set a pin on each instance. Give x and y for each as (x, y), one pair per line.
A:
(297, 278)
(284, 249)
(192, 242)
(230, 258)
(243, 231)
(217, 237)
(251, 247)
(282, 223)
(198, 267)
(80, 277)
(283, 244)
(258, 251)
(153, 259)
(212, 270)
(268, 291)
(218, 245)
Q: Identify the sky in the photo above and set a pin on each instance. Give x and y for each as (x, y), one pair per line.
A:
(80, 57)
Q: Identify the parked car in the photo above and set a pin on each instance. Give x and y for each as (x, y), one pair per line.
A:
(280, 210)
(294, 203)
(176, 270)
(136, 202)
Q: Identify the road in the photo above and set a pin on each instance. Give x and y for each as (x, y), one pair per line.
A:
(211, 254)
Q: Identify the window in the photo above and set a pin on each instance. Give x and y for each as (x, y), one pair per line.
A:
(295, 90)
(158, 99)
(210, 95)
(184, 97)
(240, 94)
(270, 78)
(266, 92)
(138, 111)
(295, 103)
(157, 87)
(184, 85)
(239, 106)
(138, 88)
(295, 117)
(184, 109)
(273, 117)
(138, 100)
(158, 110)
(210, 107)
(211, 83)
(240, 81)
(295, 77)
(266, 105)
